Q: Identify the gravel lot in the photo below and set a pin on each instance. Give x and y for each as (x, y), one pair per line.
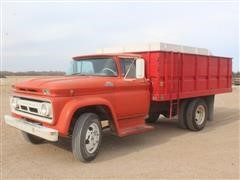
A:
(166, 152)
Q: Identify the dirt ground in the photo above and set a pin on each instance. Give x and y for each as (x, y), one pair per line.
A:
(166, 152)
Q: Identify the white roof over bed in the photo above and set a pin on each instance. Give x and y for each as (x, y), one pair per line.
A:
(155, 47)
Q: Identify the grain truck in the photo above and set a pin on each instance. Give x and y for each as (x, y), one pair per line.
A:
(124, 90)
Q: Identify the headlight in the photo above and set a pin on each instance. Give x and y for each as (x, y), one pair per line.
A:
(45, 109)
(14, 102)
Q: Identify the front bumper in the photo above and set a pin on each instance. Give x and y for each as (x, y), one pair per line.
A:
(32, 128)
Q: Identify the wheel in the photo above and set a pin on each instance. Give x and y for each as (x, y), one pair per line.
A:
(182, 114)
(32, 139)
(153, 117)
(197, 114)
(86, 137)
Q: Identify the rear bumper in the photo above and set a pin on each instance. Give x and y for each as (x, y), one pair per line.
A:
(32, 128)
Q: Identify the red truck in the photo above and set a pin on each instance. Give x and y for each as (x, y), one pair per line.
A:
(127, 90)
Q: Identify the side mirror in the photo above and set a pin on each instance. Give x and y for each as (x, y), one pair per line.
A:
(140, 68)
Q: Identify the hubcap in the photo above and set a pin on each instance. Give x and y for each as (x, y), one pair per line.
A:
(200, 115)
(92, 138)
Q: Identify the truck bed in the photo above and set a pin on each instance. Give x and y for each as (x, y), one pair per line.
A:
(177, 75)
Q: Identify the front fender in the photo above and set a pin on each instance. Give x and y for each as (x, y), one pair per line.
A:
(72, 106)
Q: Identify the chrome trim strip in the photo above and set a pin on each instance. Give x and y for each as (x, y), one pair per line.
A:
(31, 97)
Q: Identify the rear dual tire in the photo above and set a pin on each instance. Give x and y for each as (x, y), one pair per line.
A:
(182, 114)
(193, 114)
(196, 115)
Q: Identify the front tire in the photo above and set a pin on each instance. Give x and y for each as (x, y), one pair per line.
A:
(197, 113)
(86, 137)
(32, 139)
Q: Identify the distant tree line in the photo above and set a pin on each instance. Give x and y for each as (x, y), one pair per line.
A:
(236, 74)
(31, 73)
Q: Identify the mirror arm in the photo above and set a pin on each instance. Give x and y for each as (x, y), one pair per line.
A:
(129, 69)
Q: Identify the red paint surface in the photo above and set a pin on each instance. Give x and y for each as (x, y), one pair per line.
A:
(178, 75)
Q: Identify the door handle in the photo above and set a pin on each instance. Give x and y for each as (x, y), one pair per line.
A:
(109, 84)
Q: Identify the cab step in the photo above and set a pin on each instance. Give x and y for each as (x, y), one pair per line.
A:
(135, 130)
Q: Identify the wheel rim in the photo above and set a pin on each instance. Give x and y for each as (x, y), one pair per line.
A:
(200, 115)
(92, 138)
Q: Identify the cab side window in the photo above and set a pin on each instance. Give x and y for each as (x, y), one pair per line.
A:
(128, 67)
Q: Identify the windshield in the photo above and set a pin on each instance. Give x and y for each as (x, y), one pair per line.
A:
(93, 67)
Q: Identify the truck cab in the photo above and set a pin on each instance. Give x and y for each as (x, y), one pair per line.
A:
(111, 88)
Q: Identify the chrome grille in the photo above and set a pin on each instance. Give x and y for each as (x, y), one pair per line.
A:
(30, 108)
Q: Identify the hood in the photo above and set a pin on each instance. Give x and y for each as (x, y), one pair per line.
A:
(63, 86)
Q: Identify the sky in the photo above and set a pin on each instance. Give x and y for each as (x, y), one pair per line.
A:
(45, 36)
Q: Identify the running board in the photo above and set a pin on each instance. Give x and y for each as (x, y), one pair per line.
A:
(135, 130)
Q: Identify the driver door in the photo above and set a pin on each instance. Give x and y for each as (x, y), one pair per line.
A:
(132, 94)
